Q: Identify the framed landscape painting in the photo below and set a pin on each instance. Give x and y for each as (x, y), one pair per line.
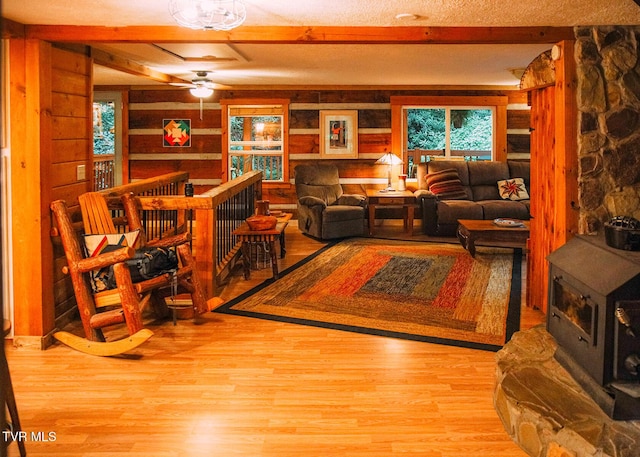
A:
(339, 134)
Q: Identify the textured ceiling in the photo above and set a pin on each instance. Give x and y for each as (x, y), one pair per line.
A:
(338, 12)
(262, 64)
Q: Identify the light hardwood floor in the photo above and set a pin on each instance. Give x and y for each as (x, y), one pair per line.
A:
(237, 386)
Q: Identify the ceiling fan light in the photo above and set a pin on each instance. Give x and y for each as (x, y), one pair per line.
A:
(208, 6)
(191, 13)
(209, 14)
(201, 92)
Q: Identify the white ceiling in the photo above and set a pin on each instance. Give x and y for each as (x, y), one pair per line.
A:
(305, 64)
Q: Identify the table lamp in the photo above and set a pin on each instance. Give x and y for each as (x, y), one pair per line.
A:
(389, 159)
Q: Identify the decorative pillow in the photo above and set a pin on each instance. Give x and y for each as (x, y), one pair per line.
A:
(446, 184)
(513, 189)
(97, 244)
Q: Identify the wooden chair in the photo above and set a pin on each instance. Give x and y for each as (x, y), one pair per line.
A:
(123, 305)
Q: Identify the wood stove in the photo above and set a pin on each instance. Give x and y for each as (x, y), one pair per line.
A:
(594, 315)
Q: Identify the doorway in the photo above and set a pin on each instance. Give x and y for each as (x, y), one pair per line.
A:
(107, 140)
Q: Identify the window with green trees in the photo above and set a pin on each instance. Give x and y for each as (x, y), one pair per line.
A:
(450, 132)
(459, 126)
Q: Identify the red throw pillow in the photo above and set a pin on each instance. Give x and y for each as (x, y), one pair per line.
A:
(446, 185)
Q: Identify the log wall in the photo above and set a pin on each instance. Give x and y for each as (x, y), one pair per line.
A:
(71, 147)
(51, 132)
(202, 160)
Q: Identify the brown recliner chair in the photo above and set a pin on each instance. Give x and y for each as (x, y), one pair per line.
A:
(324, 211)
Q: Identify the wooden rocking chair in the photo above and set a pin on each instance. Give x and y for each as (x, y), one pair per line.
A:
(125, 303)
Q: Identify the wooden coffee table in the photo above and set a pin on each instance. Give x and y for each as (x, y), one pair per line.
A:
(248, 237)
(470, 231)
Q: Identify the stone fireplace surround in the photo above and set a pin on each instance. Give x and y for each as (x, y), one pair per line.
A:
(546, 411)
(542, 408)
(608, 98)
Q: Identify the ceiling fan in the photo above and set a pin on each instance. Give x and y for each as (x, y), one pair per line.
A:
(201, 86)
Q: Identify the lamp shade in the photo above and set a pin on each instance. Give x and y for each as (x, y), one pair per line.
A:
(389, 159)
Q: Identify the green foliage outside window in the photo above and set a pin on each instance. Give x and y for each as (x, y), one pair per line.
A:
(104, 131)
(426, 129)
(470, 129)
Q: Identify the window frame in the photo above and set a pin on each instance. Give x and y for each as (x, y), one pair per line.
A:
(228, 104)
(497, 103)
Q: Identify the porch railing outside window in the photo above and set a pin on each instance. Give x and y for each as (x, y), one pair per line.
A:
(104, 168)
(270, 165)
(256, 141)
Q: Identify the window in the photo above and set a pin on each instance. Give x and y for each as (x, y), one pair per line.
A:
(428, 128)
(107, 140)
(256, 139)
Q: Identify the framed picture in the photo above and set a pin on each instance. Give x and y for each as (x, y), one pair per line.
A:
(339, 134)
(177, 133)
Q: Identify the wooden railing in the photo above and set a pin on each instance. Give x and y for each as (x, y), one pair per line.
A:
(210, 217)
(227, 206)
(157, 223)
(270, 165)
(104, 168)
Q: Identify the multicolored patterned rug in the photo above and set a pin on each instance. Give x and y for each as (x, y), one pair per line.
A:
(432, 292)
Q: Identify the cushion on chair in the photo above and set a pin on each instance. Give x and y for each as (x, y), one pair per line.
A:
(96, 244)
(337, 213)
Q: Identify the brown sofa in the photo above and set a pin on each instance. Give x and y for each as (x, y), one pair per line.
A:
(481, 197)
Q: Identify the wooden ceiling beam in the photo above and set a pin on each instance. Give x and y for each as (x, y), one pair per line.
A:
(133, 68)
(302, 35)
(11, 29)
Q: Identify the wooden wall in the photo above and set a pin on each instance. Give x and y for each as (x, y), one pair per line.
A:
(50, 100)
(554, 172)
(72, 128)
(147, 109)
(543, 166)
(71, 148)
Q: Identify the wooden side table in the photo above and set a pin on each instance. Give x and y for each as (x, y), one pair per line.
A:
(248, 237)
(405, 199)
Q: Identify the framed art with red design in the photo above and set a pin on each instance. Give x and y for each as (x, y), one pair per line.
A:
(176, 133)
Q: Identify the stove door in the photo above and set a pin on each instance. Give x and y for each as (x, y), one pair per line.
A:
(575, 322)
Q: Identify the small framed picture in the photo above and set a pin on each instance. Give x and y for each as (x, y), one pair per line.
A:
(177, 133)
(339, 134)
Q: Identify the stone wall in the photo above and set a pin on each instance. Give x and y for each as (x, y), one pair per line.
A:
(546, 412)
(608, 92)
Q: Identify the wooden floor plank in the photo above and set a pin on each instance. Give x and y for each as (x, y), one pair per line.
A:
(249, 387)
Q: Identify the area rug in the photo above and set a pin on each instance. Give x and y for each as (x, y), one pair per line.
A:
(432, 292)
